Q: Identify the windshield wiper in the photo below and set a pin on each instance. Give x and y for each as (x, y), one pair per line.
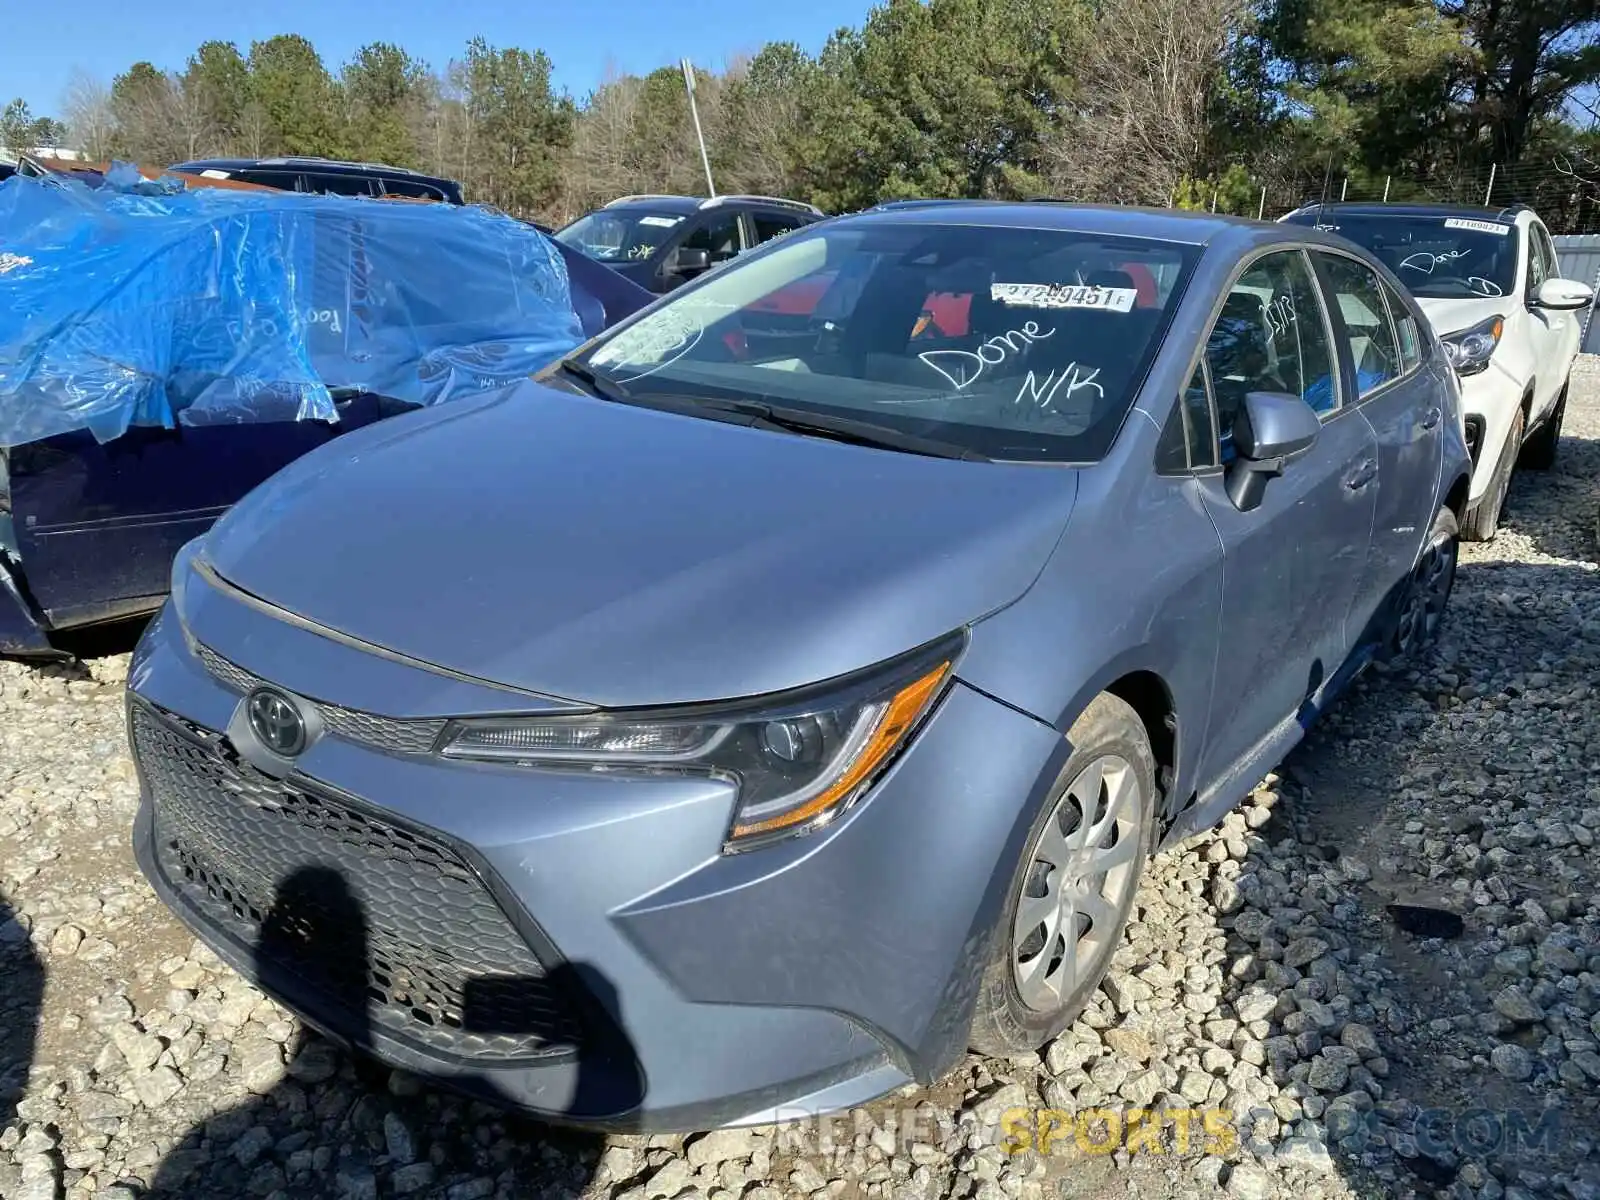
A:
(842, 429)
(603, 387)
(756, 415)
(597, 384)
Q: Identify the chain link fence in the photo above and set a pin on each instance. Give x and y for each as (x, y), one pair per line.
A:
(1565, 192)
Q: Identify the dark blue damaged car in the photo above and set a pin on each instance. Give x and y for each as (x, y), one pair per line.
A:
(161, 355)
(783, 693)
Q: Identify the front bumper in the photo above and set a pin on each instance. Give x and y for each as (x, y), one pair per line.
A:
(663, 985)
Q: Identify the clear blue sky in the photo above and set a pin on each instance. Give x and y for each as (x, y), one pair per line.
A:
(104, 36)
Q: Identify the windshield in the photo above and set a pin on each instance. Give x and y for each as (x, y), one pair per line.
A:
(620, 234)
(1439, 257)
(1014, 343)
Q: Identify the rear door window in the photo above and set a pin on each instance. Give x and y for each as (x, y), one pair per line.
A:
(772, 225)
(411, 189)
(341, 185)
(288, 181)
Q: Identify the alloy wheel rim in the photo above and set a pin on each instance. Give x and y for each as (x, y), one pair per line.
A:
(1078, 878)
(1428, 595)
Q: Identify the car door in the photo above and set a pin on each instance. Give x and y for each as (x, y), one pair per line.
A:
(1379, 342)
(1290, 565)
(1555, 334)
(97, 523)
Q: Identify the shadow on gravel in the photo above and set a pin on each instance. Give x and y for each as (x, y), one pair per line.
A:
(319, 1131)
(91, 642)
(1559, 509)
(21, 1000)
(1446, 784)
(102, 641)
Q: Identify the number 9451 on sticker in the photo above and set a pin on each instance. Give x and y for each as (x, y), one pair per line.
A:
(1063, 295)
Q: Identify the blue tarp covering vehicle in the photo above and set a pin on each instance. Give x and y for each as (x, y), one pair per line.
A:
(163, 350)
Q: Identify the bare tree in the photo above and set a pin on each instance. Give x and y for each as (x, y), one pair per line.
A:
(191, 115)
(255, 131)
(602, 164)
(1141, 122)
(86, 106)
(149, 123)
(760, 118)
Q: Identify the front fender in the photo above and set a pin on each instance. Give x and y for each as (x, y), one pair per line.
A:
(1137, 593)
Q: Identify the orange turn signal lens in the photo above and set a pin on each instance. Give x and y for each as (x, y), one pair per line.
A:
(898, 718)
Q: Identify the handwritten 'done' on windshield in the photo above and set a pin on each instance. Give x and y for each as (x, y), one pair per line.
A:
(963, 368)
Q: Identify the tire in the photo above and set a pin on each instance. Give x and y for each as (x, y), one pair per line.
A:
(1482, 520)
(1008, 1019)
(1539, 451)
(1420, 613)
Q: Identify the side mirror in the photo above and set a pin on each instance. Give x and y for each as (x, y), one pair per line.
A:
(1272, 429)
(686, 261)
(1563, 295)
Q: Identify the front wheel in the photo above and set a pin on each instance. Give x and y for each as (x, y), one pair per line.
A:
(1427, 590)
(1072, 892)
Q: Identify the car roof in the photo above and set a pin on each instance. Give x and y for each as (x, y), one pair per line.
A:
(328, 166)
(693, 204)
(1378, 209)
(1161, 224)
(672, 204)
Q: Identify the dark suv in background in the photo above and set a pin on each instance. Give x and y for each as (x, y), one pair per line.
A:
(328, 175)
(660, 242)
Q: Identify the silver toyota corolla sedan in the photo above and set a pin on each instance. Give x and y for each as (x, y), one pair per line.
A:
(783, 693)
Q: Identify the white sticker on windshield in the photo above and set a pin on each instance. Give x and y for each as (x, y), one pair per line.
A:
(1479, 226)
(213, 173)
(1064, 295)
(660, 222)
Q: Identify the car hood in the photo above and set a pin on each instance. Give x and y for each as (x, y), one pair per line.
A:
(614, 555)
(1452, 316)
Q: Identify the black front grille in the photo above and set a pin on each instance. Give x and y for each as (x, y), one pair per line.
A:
(387, 927)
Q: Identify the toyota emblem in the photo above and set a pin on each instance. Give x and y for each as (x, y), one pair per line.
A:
(276, 721)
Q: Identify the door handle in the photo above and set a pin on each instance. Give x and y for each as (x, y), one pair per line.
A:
(1430, 418)
(1362, 475)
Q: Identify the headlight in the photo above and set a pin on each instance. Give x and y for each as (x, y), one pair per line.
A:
(1469, 350)
(798, 760)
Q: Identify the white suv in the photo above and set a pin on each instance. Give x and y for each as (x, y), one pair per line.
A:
(1487, 281)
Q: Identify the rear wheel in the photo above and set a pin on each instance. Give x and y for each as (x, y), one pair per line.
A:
(1539, 451)
(1483, 518)
(1427, 590)
(1073, 890)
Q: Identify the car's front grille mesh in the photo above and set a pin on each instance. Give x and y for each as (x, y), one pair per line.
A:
(387, 927)
(397, 735)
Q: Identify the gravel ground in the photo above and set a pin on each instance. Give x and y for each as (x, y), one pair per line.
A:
(1385, 966)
